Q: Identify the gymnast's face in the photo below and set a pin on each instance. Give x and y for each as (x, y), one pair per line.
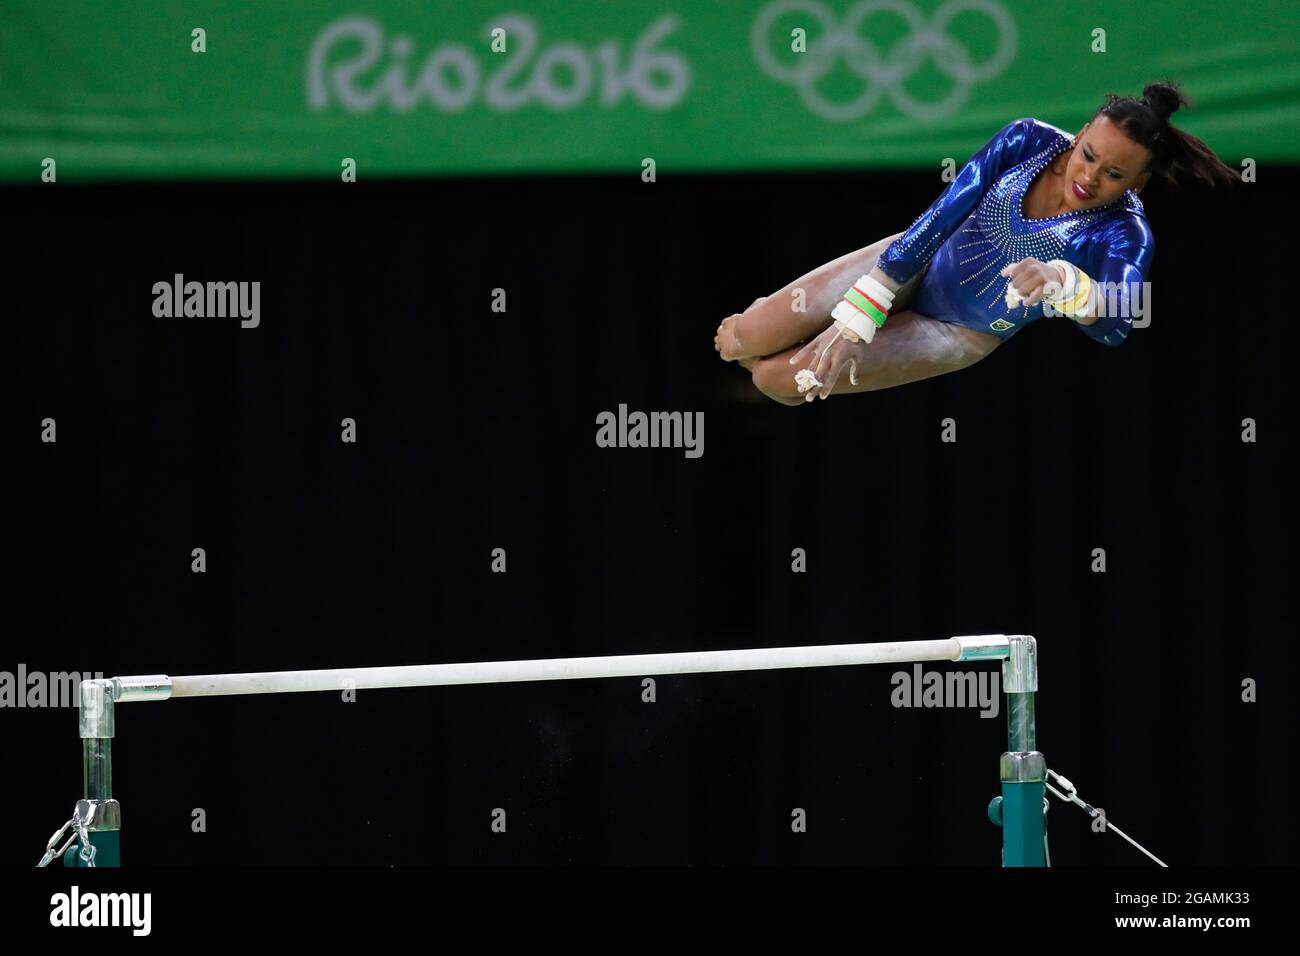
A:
(1103, 164)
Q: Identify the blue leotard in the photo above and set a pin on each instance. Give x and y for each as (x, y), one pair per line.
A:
(976, 228)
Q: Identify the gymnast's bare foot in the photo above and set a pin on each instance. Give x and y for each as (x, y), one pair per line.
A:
(727, 341)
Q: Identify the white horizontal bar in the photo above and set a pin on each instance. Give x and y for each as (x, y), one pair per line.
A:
(568, 668)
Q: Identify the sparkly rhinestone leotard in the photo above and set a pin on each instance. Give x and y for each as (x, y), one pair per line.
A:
(976, 228)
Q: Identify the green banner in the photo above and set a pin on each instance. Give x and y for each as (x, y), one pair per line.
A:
(285, 88)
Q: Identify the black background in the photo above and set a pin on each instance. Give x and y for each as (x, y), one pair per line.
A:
(476, 431)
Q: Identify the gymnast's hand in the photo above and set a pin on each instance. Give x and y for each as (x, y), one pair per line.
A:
(828, 356)
(1030, 280)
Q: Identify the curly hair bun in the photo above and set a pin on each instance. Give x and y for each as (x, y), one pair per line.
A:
(1164, 99)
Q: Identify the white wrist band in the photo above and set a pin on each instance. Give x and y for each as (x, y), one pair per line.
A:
(877, 291)
(1071, 282)
(850, 318)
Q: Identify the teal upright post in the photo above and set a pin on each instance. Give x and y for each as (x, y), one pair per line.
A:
(1023, 770)
(97, 812)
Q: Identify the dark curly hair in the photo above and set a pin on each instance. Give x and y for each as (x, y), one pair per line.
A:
(1176, 156)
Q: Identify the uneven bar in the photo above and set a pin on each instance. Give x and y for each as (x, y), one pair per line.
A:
(1017, 810)
(160, 687)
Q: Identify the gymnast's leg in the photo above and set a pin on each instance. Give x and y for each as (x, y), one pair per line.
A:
(907, 348)
(802, 309)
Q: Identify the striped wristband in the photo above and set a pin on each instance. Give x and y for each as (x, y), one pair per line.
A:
(864, 307)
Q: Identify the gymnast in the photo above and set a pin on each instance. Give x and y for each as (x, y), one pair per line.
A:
(1037, 221)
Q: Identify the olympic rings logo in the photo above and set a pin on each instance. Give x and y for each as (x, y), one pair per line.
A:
(884, 72)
